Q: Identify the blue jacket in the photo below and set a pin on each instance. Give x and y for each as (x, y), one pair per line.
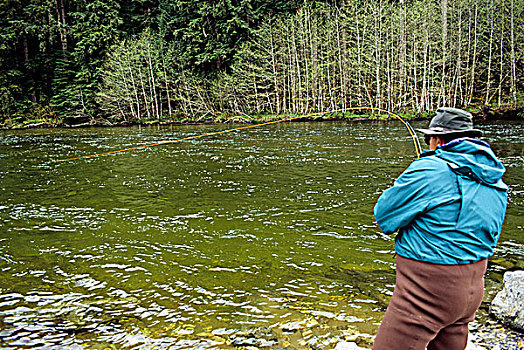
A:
(448, 206)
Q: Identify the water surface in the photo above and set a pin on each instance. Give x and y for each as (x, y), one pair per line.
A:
(188, 245)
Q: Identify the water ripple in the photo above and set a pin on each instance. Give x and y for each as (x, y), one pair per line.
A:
(224, 242)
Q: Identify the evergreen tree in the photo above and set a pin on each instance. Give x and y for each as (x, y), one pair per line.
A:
(78, 72)
(26, 48)
(208, 34)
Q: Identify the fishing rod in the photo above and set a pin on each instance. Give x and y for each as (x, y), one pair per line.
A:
(416, 142)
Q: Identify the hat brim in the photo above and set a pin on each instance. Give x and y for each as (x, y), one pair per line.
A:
(469, 132)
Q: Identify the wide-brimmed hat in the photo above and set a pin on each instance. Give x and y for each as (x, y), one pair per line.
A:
(449, 121)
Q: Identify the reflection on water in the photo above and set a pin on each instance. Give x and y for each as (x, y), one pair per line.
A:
(253, 238)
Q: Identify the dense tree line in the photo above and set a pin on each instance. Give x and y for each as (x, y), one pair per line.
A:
(53, 53)
(403, 56)
(130, 60)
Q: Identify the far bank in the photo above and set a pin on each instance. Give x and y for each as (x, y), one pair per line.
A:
(51, 120)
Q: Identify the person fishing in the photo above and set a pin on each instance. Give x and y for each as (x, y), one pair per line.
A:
(448, 207)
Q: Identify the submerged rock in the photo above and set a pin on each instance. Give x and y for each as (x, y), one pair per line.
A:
(261, 337)
(508, 305)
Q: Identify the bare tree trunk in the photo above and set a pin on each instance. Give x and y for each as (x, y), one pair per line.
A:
(359, 60)
(137, 100)
(255, 89)
(292, 95)
(474, 63)
(60, 12)
(143, 87)
(275, 73)
(403, 55)
(128, 93)
(167, 86)
(378, 96)
(300, 99)
(513, 60)
(26, 47)
(389, 68)
(424, 105)
(433, 62)
(340, 70)
(442, 97)
(414, 91)
(26, 60)
(457, 78)
(501, 74)
(488, 81)
(306, 29)
(152, 82)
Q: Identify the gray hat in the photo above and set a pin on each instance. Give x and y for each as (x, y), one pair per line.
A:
(449, 121)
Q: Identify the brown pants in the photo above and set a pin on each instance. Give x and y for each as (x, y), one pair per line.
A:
(431, 306)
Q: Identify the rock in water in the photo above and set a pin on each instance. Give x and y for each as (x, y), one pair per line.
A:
(508, 305)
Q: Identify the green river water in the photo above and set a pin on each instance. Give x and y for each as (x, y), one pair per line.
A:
(261, 237)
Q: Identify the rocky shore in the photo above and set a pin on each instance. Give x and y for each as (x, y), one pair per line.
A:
(498, 326)
(486, 333)
(491, 335)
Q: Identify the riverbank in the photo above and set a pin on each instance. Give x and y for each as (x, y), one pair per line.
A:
(84, 122)
(479, 114)
(320, 331)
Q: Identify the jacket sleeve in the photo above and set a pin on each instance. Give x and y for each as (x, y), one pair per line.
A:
(414, 192)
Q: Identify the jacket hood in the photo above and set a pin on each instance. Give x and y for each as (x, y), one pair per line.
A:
(473, 158)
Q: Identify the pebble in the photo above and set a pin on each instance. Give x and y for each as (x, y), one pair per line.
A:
(344, 345)
(491, 335)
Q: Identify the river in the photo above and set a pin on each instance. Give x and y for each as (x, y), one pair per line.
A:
(259, 237)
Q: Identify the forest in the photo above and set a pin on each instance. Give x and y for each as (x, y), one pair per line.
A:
(65, 62)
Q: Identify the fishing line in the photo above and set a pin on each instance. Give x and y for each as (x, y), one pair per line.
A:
(416, 142)
(408, 126)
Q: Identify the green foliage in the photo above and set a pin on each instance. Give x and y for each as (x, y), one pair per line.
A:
(24, 72)
(208, 34)
(137, 15)
(9, 92)
(151, 59)
(78, 72)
